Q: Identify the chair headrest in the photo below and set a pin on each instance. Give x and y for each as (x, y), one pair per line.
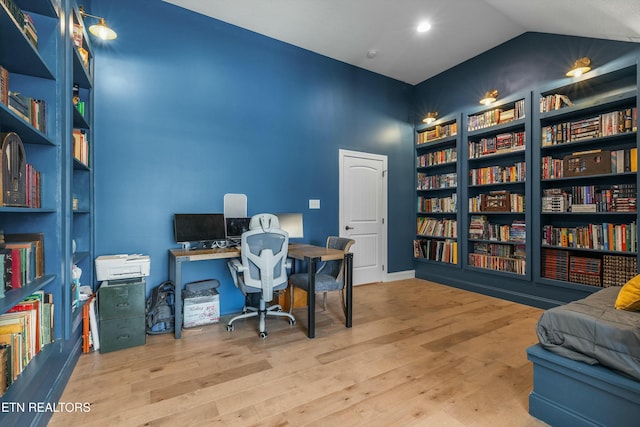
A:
(264, 221)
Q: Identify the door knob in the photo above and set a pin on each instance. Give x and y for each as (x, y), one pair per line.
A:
(349, 228)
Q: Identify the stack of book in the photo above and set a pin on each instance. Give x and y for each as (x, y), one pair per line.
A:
(618, 269)
(437, 227)
(15, 11)
(555, 200)
(81, 146)
(554, 102)
(24, 330)
(30, 30)
(438, 132)
(438, 204)
(22, 259)
(32, 111)
(4, 85)
(584, 270)
(555, 264)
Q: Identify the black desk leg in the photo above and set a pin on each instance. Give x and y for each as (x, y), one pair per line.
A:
(348, 277)
(311, 297)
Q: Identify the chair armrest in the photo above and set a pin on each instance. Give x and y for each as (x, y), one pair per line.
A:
(236, 264)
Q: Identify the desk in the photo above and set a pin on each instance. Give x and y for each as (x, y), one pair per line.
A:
(310, 253)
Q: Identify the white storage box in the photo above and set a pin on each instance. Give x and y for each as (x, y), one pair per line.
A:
(202, 310)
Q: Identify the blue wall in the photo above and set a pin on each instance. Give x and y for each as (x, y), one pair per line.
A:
(520, 64)
(188, 108)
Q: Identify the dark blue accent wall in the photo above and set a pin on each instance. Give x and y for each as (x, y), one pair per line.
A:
(520, 64)
(188, 108)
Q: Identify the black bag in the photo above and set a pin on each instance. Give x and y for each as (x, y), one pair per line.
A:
(160, 309)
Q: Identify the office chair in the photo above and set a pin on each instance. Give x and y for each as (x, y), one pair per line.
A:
(329, 276)
(262, 269)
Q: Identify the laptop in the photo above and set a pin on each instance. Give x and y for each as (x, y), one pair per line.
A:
(235, 228)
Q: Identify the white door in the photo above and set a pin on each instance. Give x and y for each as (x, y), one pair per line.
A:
(363, 211)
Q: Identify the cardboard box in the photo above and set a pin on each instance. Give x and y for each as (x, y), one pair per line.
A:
(587, 163)
(202, 310)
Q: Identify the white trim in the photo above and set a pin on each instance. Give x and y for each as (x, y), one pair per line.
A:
(385, 195)
(400, 275)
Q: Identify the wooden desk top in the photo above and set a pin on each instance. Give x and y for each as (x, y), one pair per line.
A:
(296, 250)
(302, 250)
(204, 254)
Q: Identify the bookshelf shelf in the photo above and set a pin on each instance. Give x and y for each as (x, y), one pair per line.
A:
(437, 153)
(47, 73)
(497, 149)
(600, 117)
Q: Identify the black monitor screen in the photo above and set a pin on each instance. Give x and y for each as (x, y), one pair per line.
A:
(237, 226)
(198, 227)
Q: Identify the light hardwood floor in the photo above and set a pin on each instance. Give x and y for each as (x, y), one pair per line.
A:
(419, 354)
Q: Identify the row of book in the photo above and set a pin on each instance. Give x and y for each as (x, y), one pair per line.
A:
(498, 263)
(438, 204)
(502, 143)
(622, 161)
(33, 187)
(434, 227)
(4, 85)
(24, 330)
(32, 111)
(498, 174)
(603, 237)
(436, 250)
(591, 198)
(498, 250)
(514, 202)
(481, 229)
(593, 270)
(440, 157)
(30, 31)
(606, 124)
(496, 116)
(554, 102)
(438, 132)
(429, 182)
(81, 146)
(21, 260)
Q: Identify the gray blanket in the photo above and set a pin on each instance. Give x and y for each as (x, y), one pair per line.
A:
(591, 330)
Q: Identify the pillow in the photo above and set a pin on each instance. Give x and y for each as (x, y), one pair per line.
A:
(629, 296)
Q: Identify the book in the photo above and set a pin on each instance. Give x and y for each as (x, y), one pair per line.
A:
(37, 239)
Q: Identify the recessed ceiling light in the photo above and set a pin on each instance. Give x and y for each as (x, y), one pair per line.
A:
(372, 53)
(423, 27)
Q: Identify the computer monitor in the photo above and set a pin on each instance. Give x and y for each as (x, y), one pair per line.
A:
(191, 227)
(237, 226)
(292, 224)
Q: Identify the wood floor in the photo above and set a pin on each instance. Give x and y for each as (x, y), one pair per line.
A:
(419, 354)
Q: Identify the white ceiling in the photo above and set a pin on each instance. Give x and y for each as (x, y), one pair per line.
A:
(461, 29)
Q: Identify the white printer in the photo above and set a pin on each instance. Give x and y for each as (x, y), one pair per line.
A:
(122, 266)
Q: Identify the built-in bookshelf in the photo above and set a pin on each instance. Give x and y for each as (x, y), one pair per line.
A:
(81, 155)
(437, 174)
(587, 161)
(496, 157)
(38, 65)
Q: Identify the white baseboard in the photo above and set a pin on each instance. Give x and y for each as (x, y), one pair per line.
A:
(400, 275)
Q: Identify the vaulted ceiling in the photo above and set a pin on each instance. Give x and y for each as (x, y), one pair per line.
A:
(381, 36)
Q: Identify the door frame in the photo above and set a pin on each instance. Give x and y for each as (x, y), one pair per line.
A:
(382, 252)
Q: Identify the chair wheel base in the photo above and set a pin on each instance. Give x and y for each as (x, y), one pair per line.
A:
(263, 335)
(229, 328)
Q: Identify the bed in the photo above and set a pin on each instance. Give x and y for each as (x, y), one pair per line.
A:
(586, 368)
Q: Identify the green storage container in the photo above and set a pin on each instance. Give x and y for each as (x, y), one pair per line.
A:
(121, 307)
